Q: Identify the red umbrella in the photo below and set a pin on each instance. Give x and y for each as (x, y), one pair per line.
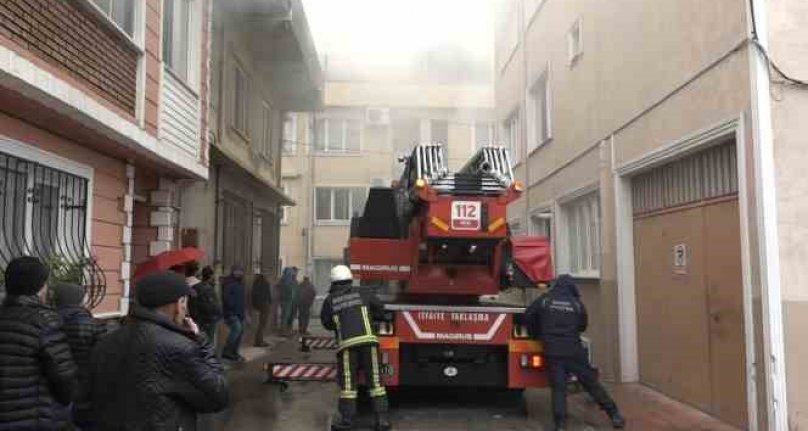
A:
(167, 259)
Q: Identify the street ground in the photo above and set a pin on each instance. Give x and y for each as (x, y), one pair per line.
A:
(306, 406)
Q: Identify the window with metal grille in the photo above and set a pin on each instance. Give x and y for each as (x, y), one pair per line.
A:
(44, 213)
(706, 175)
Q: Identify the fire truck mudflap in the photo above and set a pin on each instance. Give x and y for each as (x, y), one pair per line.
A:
(459, 346)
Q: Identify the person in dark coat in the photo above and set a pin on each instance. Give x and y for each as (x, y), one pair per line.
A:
(158, 371)
(350, 315)
(261, 298)
(205, 308)
(38, 376)
(234, 300)
(288, 288)
(558, 318)
(82, 331)
(305, 299)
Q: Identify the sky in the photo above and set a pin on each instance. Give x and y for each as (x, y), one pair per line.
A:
(387, 34)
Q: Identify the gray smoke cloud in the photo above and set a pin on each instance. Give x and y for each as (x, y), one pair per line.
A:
(442, 40)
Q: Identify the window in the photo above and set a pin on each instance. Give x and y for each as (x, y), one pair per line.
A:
(516, 226)
(338, 135)
(483, 135)
(582, 230)
(575, 43)
(322, 273)
(541, 223)
(241, 110)
(266, 134)
(289, 133)
(339, 204)
(540, 106)
(44, 204)
(120, 12)
(284, 210)
(510, 135)
(176, 37)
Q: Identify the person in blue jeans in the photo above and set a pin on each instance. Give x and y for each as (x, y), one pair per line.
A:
(234, 309)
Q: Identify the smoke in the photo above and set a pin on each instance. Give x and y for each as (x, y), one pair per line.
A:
(442, 40)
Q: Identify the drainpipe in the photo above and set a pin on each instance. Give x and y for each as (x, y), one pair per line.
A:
(766, 201)
(523, 114)
(310, 197)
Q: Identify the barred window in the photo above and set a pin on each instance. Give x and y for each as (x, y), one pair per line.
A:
(44, 213)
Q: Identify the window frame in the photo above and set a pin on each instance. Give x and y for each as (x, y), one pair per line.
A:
(491, 134)
(571, 211)
(190, 76)
(239, 72)
(511, 134)
(49, 160)
(289, 144)
(540, 138)
(325, 137)
(265, 145)
(331, 221)
(136, 38)
(575, 51)
(284, 209)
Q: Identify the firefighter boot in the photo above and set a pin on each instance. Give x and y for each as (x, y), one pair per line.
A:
(618, 421)
(383, 422)
(340, 422)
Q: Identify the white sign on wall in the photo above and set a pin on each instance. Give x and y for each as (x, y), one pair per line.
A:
(680, 259)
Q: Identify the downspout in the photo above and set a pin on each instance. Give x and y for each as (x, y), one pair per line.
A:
(219, 131)
(766, 202)
(310, 197)
(523, 115)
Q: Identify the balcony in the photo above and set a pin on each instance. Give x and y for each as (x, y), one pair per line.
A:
(279, 38)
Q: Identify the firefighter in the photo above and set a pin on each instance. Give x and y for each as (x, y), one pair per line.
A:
(557, 318)
(350, 314)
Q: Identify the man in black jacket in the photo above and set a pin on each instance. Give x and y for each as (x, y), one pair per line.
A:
(205, 308)
(558, 318)
(82, 333)
(234, 304)
(37, 372)
(349, 314)
(158, 371)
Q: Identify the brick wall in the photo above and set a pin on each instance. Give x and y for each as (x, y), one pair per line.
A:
(153, 66)
(67, 35)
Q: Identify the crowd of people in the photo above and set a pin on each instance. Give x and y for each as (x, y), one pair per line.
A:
(60, 369)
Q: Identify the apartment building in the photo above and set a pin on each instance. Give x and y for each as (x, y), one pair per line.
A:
(102, 108)
(263, 64)
(333, 156)
(661, 150)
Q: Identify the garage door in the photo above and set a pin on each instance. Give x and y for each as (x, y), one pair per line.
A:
(689, 287)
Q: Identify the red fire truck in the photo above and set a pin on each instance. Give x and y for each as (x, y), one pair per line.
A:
(440, 242)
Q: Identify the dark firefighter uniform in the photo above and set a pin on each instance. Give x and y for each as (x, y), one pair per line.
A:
(350, 315)
(557, 318)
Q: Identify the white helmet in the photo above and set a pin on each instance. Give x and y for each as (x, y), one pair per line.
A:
(340, 273)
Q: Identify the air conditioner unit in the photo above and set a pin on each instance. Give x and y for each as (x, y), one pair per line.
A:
(377, 116)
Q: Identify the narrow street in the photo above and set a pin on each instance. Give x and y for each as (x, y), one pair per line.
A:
(306, 406)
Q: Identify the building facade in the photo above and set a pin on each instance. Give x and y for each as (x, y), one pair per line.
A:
(102, 113)
(333, 156)
(659, 145)
(263, 64)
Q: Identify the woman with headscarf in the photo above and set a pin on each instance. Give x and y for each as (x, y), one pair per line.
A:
(288, 288)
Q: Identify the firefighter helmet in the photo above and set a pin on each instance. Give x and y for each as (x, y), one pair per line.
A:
(340, 273)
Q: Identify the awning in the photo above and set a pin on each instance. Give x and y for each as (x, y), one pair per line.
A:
(533, 257)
